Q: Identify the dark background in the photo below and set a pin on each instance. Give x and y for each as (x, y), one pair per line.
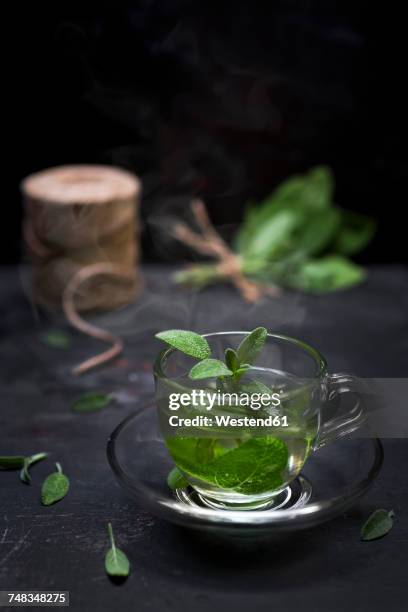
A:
(222, 99)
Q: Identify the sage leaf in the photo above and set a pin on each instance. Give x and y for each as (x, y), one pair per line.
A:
(272, 238)
(326, 274)
(55, 487)
(248, 468)
(176, 480)
(252, 345)
(57, 339)
(318, 232)
(312, 191)
(207, 368)
(355, 233)
(231, 359)
(91, 402)
(377, 525)
(187, 342)
(11, 462)
(28, 462)
(272, 228)
(116, 562)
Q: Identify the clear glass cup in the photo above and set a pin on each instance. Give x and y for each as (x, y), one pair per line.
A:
(242, 454)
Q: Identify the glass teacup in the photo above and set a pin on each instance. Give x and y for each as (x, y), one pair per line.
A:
(241, 443)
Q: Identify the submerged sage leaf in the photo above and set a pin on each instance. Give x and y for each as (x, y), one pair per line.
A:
(187, 342)
(57, 339)
(176, 480)
(28, 462)
(116, 562)
(11, 462)
(91, 402)
(377, 525)
(55, 487)
(208, 368)
(252, 345)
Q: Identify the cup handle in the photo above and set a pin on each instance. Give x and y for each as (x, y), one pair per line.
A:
(348, 422)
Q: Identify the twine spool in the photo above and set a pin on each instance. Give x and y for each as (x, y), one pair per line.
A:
(76, 217)
(80, 228)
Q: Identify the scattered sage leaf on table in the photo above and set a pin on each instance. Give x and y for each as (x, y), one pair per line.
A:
(55, 487)
(18, 462)
(91, 402)
(252, 345)
(11, 462)
(57, 339)
(208, 368)
(28, 462)
(187, 342)
(176, 480)
(116, 562)
(377, 525)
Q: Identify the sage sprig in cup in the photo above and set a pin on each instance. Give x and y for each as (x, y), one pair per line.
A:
(248, 466)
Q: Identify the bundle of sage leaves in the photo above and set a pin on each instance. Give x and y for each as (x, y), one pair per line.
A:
(296, 238)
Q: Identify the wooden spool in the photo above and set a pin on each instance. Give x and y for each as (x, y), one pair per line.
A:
(77, 217)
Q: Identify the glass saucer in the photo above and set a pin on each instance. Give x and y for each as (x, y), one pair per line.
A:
(332, 480)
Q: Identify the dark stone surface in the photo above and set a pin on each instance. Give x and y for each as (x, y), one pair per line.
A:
(363, 330)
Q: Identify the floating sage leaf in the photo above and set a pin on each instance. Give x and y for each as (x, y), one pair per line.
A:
(252, 345)
(91, 402)
(11, 462)
(28, 462)
(116, 562)
(176, 480)
(207, 368)
(187, 342)
(377, 525)
(55, 487)
(57, 339)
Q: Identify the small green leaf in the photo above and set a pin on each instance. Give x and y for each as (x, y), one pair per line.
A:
(242, 369)
(11, 462)
(356, 231)
(116, 562)
(176, 480)
(187, 342)
(55, 487)
(57, 339)
(28, 462)
(207, 368)
(91, 402)
(377, 525)
(252, 345)
(231, 359)
(326, 274)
